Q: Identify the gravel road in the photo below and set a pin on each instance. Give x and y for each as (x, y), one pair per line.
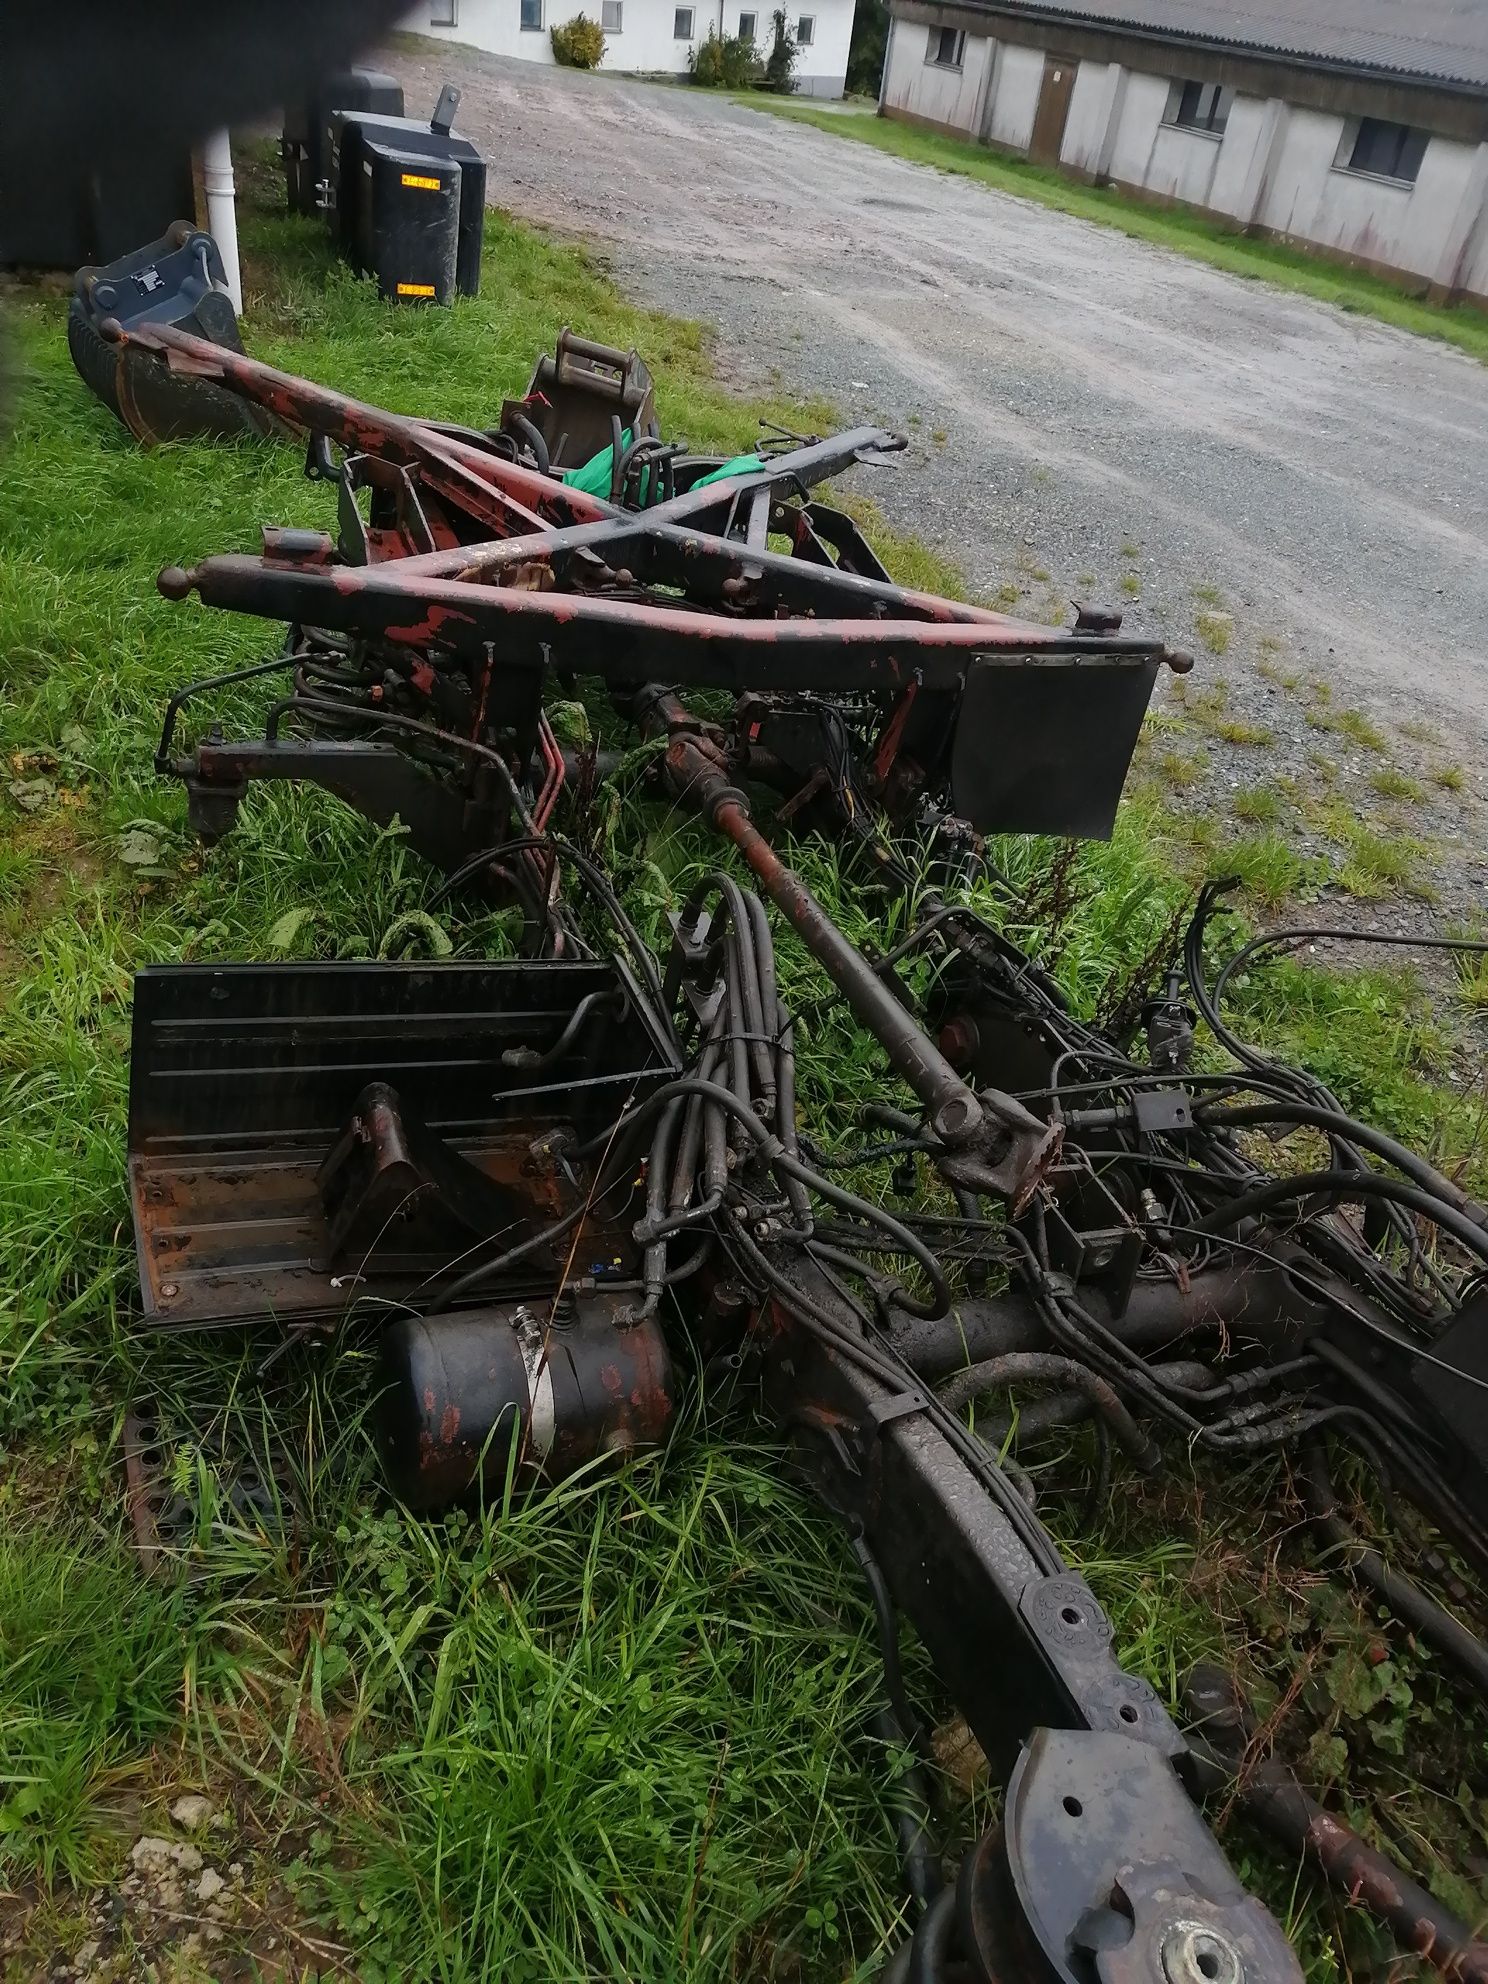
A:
(1089, 415)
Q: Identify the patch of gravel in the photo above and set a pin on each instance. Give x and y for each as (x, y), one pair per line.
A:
(1089, 416)
(193, 1904)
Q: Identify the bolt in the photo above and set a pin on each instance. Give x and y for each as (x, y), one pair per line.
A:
(168, 1289)
(1192, 1953)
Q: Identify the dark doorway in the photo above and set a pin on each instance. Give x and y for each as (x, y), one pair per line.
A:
(1053, 108)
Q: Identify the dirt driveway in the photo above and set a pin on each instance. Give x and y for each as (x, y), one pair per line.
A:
(1082, 406)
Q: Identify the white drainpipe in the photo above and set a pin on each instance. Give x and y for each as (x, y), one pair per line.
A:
(222, 212)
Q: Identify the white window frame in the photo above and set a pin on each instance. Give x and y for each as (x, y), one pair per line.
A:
(607, 8)
(1348, 138)
(444, 13)
(753, 20)
(933, 41)
(808, 39)
(526, 26)
(1224, 104)
(691, 13)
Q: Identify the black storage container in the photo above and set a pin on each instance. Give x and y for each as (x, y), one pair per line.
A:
(407, 223)
(304, 145)
(352, 131)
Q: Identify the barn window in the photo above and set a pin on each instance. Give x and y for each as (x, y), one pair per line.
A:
(1199, 107)
(1385, 150)
(532, 12)
(611, 14)
(946, 47)
(805, 30)
(747, 26)
(682, 24)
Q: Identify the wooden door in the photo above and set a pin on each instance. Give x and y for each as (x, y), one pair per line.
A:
(1053, 108)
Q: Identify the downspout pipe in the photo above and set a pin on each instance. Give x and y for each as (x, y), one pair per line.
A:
(222, 209)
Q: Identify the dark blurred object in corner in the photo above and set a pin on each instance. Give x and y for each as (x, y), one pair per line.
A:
(103, 104)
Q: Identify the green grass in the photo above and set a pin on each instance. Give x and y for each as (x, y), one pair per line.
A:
(1261, 805)
(1189, 234)
(1214, 630)
(622, 1731)
(1392, 783)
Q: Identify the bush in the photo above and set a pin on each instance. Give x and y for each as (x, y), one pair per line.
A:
(730, 64)
(579, 43)
(780, 63)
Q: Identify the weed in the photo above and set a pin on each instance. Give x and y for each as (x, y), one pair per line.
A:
(1130, 549)
(1183, 769)
(1378, 864)
(1259, 804)
(1391, 783)
(1269, 868)
(1235, 730)
(1208, 595)
(1284, 678)
(1472, 979)
(1007, 596)
(939, 436)
(1450, 778)
(1214, 630)
(1356, 727)
(1418, 732)
(1130, 584)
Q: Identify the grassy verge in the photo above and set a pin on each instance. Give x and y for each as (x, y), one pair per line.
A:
(1189, 234)
(625, 1731)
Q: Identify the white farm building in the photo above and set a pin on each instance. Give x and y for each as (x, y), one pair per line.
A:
(650, 37)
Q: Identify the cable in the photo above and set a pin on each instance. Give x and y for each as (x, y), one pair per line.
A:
(1343, 1185)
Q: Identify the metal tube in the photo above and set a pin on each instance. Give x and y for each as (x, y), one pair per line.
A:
(1272, 1796)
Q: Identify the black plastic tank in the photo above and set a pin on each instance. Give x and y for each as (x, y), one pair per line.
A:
(351, 132)
(304, 145)
(408, 223)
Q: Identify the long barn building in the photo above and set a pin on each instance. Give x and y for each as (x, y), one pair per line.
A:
(1357, 128)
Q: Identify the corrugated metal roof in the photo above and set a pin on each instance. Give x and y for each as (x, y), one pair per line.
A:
(1438, 40)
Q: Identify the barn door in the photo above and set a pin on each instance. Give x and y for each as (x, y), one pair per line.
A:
(1053, 108)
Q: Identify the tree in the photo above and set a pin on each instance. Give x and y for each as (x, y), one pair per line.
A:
(780, 63)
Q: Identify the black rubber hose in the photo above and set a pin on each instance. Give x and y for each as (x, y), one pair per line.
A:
(1043, 1367)
(532, 435)
(1344, 1185)
(1415, 1168)
(529, 1060)
(781, 1159)
(1405, 1599)
(888, 1643)
(930, 1951)
(910, 1803)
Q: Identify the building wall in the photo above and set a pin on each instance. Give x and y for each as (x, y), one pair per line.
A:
(1273, 169)
(952, 97)
(645, 45)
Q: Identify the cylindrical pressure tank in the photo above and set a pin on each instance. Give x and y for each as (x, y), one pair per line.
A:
(534, 1389)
